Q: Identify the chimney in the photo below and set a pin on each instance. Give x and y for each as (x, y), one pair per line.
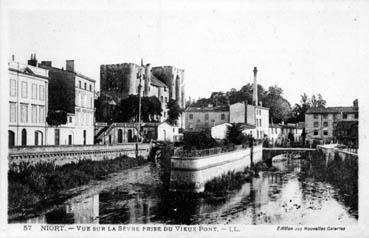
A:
(33, 60)
(69, 65)
(255, 90)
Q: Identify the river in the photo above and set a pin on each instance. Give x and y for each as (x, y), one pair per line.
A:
(292, 195)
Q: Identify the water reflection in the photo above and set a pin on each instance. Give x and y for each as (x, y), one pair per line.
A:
(287, 196)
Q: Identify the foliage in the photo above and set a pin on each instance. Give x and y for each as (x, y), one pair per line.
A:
(235, 135)
(127, 110)
(198, 140)
(299, 110)
(30, 184)
(279, 107)
(56, 118)
(228, 182)
(174, 111)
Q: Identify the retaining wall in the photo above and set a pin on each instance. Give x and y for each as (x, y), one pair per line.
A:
(191, 173)
(66, 154)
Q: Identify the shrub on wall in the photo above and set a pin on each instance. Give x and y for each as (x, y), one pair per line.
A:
(56, 118)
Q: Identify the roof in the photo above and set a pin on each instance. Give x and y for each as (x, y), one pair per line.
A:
(150, 124)
(28, 69)
(66, 71)
(208, 109)
(274, 126)
(332, 110)
(157, 82)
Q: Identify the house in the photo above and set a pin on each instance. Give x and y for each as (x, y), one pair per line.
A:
(28, 103)
(220, 131)
(73, 93)
(320, 122)
(168, 132)
(251, 115)
(204, 118)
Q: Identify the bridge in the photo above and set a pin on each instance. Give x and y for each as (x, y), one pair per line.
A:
(269, 153)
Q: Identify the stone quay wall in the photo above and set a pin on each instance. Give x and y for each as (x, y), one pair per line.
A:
(66, 154)
(330, 152)
(191, 173)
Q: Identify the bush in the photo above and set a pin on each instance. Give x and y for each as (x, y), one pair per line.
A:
(30, 184)
(198, 140)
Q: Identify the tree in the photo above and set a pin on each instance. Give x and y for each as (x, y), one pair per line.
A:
(318, 101)
(174, 111)
(279, 107)
(127, 109)
(299, 110)
(235, 135)
(56, 118)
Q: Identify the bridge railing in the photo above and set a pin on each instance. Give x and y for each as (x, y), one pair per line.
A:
(209, 151)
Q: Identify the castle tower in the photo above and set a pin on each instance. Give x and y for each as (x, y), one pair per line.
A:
(255, 90)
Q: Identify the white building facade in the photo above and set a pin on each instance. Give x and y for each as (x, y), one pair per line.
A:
(28, 105)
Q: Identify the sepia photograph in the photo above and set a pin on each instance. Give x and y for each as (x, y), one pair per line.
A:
(194, 117)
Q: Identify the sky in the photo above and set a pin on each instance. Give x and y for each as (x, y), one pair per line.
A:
(301, 46)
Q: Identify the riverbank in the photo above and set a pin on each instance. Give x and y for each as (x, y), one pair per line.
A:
(34, 187)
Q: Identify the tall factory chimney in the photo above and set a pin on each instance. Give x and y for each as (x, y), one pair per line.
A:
(255, 90)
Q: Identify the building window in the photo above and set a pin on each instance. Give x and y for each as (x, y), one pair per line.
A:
(325, 132)
(33, 113)
(190, 116)
(85, 86)
(42, 92)
(165, 89)
(161, 98)
(12, 112)
(206, 124)
(90, 87)
(34, 91)
(70, 119)
(13, 88)
(356, 115)
(24, 112)
(325, 124)
(316, 124)
(166, 99)
(206, 116)
(315, 116)
(315, 133)
(165, 114)
(24, 89)
(260, 122)
(222, 116)
(344, 115)
(41, 114)
(325, 116)
(79, 84)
